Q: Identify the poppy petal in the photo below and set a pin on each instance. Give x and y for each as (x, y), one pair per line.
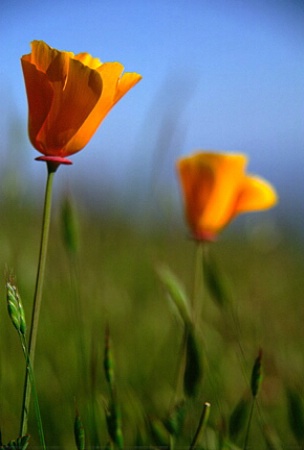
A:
(255, 194)
(114, 87)
(228, 171)
(88, 60)
(40, 96)
(197, 181)
(43, 56)
(125, 83)
(216, 188)
(69, 96)
(71, 106)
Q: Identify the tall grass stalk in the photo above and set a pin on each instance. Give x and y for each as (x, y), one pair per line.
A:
(256, 378)
(33, 386)
(245, 447)
(79, 315)
(195, 306)
(16, 313)
(201, 425)
(51, 169)
(71, 245)
(198, 279)
(70, 236)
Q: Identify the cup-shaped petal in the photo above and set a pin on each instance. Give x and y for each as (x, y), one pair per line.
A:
(255, 194)
(115, 86)
(216, 188)
(68, 97)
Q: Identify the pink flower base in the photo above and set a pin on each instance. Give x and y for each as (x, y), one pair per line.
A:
(54, 159)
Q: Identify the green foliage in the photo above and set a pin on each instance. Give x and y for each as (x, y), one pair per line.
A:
(159, 433)
(175, 420)
(256, 375)
(176, 293)
(193, 369)
(117, 286)
(113, 417)
(296, 414)
(19, 444)
(112, 409)
(272, 439)
(201, 425)
(15, 308)
(69, 224)
(217, 282)
(238, 419)
(108, 361)
(79, 432)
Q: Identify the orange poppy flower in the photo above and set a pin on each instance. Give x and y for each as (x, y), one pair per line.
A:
(68, 97)
(216, 189)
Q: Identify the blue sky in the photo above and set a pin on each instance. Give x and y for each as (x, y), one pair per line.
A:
(217, 74)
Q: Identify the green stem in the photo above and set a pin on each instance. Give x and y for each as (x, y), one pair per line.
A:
(202, 423)
(75, 277)
(197, 283)
(180, 369)
(249, 424)
(195, 314)
(32, 381)
(37, 297)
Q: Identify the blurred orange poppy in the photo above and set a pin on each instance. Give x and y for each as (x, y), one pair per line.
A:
(69, 96)
(216, 188)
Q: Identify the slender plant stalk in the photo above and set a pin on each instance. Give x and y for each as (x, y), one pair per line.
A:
(249, 424)
(37, 298)
(195, 313)
(74, 277)
(197, 283)
(201, 425)
(182, 351)
(71, 241)
(33, 385)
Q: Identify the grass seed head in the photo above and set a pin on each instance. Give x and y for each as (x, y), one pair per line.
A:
(193, 370)
(108, 359)
(296, 414)
(15, 308)
(113, 419)
(175, 420)
(69, 223)
(79, 432)
(238, 418)
(256, 375)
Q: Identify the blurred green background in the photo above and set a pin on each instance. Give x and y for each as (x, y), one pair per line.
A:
(117, 283)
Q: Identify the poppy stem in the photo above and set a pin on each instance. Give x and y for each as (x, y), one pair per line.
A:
(37, 298)
(195, 314)
(198, 281)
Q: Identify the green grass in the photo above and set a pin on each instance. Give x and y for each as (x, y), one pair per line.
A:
(117, 284)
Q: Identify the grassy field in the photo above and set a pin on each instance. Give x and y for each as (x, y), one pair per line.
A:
(113, 279)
